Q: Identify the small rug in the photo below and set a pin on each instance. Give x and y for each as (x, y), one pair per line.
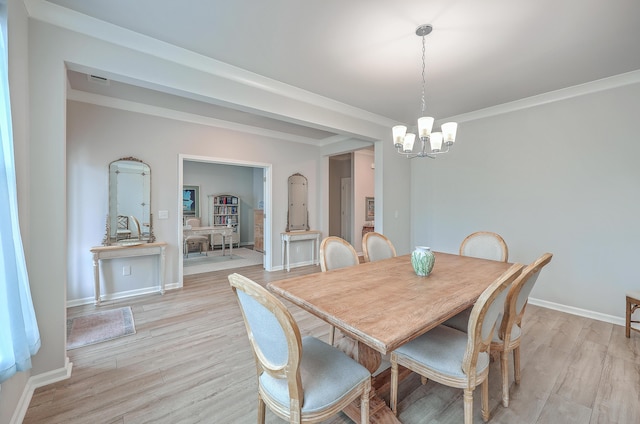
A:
(214, 261)
(99, 327)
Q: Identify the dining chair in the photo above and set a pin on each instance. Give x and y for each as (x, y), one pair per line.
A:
(376, 246)
(633, 303)
(455, 358)
(486, 245)
(200, 240)
(300, 379)
(508, 333)
(336, 253)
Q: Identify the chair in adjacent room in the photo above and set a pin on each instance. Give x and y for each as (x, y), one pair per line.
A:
(486, 245)
(633, 303)
(376, 246)
(455, 358)
(122, 227)
(138, 228)
(508, 333)
(199, 240)
(336, 253)
(300, 379)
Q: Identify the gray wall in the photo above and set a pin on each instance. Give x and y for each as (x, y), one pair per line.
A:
(560, 176)
(97, 135)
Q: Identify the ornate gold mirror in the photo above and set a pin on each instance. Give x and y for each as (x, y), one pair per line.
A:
(129, 219)
(298, 215)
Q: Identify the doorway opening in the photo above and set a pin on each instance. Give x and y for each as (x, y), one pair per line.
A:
(351, 182)
(248, 184)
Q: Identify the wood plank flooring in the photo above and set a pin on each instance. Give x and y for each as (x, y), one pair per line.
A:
(190, 362)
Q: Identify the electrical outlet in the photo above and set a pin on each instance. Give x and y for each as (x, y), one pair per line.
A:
(126, 270)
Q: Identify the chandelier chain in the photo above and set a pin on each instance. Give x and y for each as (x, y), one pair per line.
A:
(424, 104)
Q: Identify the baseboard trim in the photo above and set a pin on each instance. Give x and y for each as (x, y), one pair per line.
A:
(293, 265)
(578, 311)
(120, 295)
(33, 383)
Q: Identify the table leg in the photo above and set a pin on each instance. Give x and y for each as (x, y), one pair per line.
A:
(96, 278)
(282, 252)
(231, 245)
(287, 247)
(161, 270)
(379, 411)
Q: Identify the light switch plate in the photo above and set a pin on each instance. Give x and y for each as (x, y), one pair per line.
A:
(163, 214)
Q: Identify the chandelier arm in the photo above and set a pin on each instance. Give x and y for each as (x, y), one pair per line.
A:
(416, 155)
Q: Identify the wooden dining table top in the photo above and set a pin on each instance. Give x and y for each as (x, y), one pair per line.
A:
(384, 304)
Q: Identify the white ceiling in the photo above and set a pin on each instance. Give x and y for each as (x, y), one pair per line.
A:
(365, 52)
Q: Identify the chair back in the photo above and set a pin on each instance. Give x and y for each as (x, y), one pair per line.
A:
(518, 296)
(337, 253)
(123, 222)
(376, 246)
(486, 245)
(273, 334)
(136, 223)
(482, 320)
(192, 222)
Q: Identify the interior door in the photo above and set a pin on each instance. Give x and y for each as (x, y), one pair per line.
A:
(346, 203)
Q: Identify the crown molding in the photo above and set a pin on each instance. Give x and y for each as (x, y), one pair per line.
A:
(56, 15)
(603, 84)
(136, 107)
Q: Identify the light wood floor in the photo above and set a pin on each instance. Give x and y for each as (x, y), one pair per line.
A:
(190, 362)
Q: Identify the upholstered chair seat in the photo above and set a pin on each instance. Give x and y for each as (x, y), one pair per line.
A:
(302, 380)
(455, 358)
(508, 332)
(327, 376)
(442, 350)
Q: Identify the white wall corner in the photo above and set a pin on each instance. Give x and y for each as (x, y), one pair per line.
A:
(36, 381)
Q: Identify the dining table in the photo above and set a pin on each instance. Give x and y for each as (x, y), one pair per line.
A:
(382, 305)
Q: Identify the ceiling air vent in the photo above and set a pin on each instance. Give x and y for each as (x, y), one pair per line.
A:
(98, 80)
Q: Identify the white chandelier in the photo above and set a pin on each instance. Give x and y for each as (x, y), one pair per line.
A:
(432, 142)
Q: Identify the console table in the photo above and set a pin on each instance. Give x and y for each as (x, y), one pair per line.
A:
(226, 232)
(126, 251)
(290, 236)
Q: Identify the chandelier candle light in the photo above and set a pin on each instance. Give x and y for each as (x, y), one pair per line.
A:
(431, 141)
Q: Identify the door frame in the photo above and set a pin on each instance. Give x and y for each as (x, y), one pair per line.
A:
(267, 167)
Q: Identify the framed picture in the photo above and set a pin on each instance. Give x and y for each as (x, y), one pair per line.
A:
(369, 208)
(191, 200)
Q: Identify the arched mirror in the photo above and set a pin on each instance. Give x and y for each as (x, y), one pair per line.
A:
(298, 215)
(129, 219)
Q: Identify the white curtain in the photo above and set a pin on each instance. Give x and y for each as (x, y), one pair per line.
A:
(19, 335)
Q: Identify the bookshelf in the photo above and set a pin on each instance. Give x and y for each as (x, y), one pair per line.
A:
(224, 210)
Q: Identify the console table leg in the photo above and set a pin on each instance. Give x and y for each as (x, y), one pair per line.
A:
(96, 279)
